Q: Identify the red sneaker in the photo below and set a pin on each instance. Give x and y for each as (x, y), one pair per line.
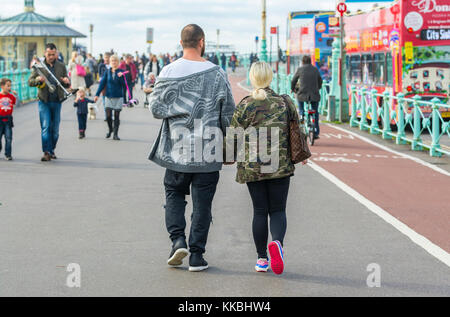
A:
(276, 257)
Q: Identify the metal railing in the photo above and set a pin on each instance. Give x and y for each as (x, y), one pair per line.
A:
(19, 74)
(382, 113)
(386, 110)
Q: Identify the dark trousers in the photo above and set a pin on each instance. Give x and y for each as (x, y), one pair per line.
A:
(203, 187)
(6, 130)
(82, 121)
(269, 199)
(109, 118)
(315, 107)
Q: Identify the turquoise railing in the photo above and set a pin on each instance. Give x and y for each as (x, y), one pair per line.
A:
(19, 74)
(375, 113)
(385, 109)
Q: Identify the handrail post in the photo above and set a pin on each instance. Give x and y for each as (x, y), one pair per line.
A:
(353, 121)
(363, 120)
(386, 116)
(401, 120)
(435, 136)
(416, 125)
(373, 101)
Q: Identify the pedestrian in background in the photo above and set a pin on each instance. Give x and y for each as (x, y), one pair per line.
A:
(114, 83)
(129, 66)
(306, 84)
(75, 71)
(7, 104)
(223, 61)
(102, 69)
(50, 102)
(268, 187)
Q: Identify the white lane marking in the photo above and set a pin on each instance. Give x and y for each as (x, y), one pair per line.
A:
(415, 159)
(418, 239)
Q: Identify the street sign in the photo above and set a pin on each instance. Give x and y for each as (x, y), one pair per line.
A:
(273, 30)
(256, 39)
(341, 8)
(149, 35)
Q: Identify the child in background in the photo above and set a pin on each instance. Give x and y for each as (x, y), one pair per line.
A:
(7, 103)
(81, 102)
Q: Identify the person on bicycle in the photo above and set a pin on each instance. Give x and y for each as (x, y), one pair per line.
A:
(306, 84)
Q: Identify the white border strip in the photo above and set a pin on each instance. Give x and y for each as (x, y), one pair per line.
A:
(415, 159)
(418, 239)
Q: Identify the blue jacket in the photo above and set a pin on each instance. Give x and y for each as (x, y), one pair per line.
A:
(114, 84)
(82, 105)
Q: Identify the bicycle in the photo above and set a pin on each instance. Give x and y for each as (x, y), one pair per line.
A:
(310, 124)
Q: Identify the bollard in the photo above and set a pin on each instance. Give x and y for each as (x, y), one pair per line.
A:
(353, 118)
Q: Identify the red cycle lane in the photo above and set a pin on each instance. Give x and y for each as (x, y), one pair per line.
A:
(415, 194)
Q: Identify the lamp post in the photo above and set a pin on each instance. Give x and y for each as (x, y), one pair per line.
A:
(263, 55)
(91, 31)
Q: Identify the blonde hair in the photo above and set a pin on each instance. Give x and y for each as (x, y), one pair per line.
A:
(74, 56)
(261, 76)
(114, 56)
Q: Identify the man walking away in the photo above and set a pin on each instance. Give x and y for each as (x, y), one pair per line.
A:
(308, 89)
(189, 93)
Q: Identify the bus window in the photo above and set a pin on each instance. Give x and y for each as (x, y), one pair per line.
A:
(355, 69)
(379, 71)
(367, 69)
(389, 70)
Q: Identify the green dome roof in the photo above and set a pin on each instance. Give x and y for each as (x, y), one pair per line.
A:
(30, 23)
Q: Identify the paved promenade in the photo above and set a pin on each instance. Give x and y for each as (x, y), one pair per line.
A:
(100, 205)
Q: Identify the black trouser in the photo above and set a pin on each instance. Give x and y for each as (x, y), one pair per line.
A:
(177, 186)
(269, 199)
(82, 121)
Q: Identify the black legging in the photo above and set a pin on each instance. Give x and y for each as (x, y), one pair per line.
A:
(269, 199)
(109, 116)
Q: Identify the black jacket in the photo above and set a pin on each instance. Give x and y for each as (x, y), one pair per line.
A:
(310, 83)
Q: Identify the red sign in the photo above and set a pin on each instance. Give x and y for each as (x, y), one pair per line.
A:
(321, 27)
(273, 30)
(342, 8)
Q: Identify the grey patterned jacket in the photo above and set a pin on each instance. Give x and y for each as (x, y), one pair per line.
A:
(196, 110)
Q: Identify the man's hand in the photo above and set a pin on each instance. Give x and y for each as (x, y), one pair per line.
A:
(40, 78)
(95, 99)
(305, 162)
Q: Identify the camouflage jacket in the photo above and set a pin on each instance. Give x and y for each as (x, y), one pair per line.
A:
(258, 161)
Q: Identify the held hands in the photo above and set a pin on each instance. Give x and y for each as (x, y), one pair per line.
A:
(95, 99)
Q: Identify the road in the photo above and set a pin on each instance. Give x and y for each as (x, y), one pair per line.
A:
(100, 205)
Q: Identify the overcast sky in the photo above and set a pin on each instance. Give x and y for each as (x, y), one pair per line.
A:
(121, 24)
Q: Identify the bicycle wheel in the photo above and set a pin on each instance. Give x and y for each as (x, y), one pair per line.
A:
(311, 134)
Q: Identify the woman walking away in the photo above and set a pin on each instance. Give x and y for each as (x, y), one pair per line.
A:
(77, 71)
(267, 176)
(114, 82)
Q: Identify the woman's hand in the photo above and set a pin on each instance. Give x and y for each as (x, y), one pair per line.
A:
(95, 99)
(120, 74)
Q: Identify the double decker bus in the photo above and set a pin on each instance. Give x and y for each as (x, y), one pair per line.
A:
(401, 48)
(310, 38)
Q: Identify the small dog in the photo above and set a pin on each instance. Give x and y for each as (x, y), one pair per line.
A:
(92, 112)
